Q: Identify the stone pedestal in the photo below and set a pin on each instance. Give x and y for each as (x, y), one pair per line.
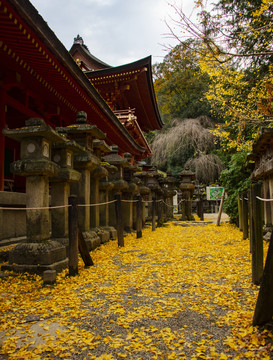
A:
(63, 155)
(100, 148)
(85, 162)
(96, 175)
(128, 206)
(38, 221)
(150, 180)
(145, 192)
(119, 184)
(168, 185)
(187, 187)
(105, 187)
(60, 192)
(129, 193)
(40, 253)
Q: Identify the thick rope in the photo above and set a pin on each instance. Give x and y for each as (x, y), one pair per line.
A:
(38, 208)
(105, 203)
(56, 207)
(266, 200)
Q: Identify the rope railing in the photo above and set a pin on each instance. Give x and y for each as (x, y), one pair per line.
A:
(151, 201)
(257, 197)
(167, 204)
(262, 199)
(36, 208)
(79, 205)
(97, 204)
(55, 207)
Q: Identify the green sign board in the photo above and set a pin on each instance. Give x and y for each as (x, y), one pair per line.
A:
(214, 193)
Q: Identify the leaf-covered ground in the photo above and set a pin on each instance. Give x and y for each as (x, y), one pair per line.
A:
(180, 292)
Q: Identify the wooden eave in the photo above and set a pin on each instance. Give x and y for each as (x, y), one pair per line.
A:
(141, 94)
(29, 47)
(89, 59)
(262, 155)
(137, 134)
(264, 141)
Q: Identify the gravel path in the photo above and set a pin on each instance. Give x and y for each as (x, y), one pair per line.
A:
(181, 292)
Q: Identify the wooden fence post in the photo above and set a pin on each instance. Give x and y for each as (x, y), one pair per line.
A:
(264, 306)
(245, 215)
(159, 214)
(240, 211)
(153, 213)
(73, 235)
(201, 208)
(250, 222)
(84, 250)
(139, 216)
(119, 220)
(220, 208)
(256, 221)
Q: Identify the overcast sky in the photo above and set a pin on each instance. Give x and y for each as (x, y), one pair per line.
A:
(115, 31)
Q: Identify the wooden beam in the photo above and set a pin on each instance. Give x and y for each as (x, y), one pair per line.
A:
(2, 137)
(22, 108)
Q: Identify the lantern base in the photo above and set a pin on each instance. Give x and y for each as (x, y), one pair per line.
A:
(112, 231)
(37, 257)
(92, 240)
(103, 234)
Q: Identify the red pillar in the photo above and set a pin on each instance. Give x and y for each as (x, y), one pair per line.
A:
(2, 137)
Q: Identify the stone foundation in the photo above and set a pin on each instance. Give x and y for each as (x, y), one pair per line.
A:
(37, 257)
(103, 234)
(92, 240)
(112, 231)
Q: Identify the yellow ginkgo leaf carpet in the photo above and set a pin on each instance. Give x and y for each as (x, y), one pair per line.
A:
(180, 292)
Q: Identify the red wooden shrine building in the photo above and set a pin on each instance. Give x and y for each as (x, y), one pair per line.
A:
(39, 78)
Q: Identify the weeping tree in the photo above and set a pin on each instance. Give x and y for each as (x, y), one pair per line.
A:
(188, 142)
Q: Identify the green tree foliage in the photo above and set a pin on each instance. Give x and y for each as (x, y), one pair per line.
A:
(232, 45)
(236, 179)
(180, 85)
(236, 51)
(244, 29)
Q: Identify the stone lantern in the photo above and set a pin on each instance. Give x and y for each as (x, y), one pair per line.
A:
(168, 184)
(83, 134)
(105, 186)
(141, 180)
(116, 178)
(40, 253)
(156, 190)
(63, 156)
(187, 184)
(128, 194)
(100, 148)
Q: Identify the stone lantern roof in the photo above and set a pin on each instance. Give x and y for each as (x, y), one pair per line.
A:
(187, 173)
(82, 126)
(34, 127)
(115, 159)
(101, 146)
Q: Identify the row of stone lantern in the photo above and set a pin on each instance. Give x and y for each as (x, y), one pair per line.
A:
(75, 159)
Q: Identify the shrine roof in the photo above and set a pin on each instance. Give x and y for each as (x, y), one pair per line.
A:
(28, 47)
(136, 84)
(264, 141)
(89, 59)
(260, 160)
